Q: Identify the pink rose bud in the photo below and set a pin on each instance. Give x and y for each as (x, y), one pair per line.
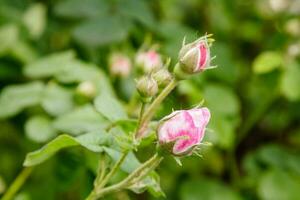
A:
(183, 130)
(148, 61)
(120, 65)
(195, 57)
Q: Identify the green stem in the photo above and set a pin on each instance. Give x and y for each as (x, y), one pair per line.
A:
(135, 176)
(17, 184)
(152, 108)
(99, 185)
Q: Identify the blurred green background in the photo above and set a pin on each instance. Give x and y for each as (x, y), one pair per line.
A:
(48, 48)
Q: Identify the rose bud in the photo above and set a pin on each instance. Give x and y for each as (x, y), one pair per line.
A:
(148, 61)
(86, 89)
(195, 57)
(147, 86)
(183, 130)
(163, 77)
(120, 65)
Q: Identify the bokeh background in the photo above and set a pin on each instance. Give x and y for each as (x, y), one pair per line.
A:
(254, 94)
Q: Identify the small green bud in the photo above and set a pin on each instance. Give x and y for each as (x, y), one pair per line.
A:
(162, 76)
(147, 86)
(86, 89)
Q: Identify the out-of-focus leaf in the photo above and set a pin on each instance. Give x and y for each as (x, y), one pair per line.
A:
(35, 19)
(93, 141)
(277, 184)
(14, 98)
(8, 37)
(139, 10)
(110, 107)
(49, 65)
(80, 120)
(57, 100)
(78, 71)
(101, 31)
(223, 132)
(39, 129)
(81, 9)
(290, 82)
(267, 62)
(207, 189)
(221, 100)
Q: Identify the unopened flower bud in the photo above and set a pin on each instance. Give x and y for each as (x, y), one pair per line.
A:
(183, 130)
(162, 76)
(148, 61)
(120, 65)
(147, 86)
(195, 57)
(86, 89)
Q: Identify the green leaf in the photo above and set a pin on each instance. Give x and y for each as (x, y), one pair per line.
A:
(77, 71)
(80, 120)
(221, 100)
(80, 9)
(49, 65)
(57, 100)
(102, 31)
(223, 132)
(277, 184)
(290, 82)
(15, 98)
(8, 37)
(110, 107)
(39, 129)
(130, 163)
(93, 141)
(35, 19)
(206, 189)
(138, 10)
(267, 62)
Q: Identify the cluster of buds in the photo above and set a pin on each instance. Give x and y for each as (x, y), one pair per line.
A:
(182, 131)
(120, 65)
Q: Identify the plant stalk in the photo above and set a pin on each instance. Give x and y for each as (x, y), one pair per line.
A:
(17, 184)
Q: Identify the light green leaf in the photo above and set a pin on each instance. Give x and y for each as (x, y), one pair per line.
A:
(110, 107)
(35, 19)
(15, 98)
(8, 37)
(77, 71)
(221, 100)
(277, 184)
(130, 163)
(57, 100)
(207, 189)
(80, 9)
(49, 65)
(39, 129)
(93, 141)
(267, 62)
(290, 82)
(80, 120)
(101, 31)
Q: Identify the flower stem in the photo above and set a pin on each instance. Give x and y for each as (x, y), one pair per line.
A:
(152, 108)
(99, 185)
(135, 176)
(17, 184)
